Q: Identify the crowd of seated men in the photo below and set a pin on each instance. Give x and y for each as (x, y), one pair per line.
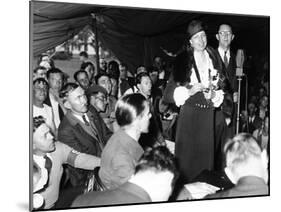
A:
(106, 138)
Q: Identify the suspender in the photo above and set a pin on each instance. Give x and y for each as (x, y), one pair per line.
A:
(196, 70)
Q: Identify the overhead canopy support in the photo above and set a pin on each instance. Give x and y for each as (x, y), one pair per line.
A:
(135, 36)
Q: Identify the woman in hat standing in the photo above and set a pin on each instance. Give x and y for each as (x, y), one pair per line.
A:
(195, 89)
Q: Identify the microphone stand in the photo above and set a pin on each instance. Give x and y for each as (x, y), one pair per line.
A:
(239, 73)
(238, 102)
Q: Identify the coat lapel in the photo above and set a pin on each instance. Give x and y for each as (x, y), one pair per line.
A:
(80, 126)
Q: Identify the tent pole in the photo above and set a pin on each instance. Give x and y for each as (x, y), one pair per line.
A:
(96, 45)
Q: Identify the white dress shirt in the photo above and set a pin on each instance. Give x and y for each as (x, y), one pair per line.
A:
(55, 106)
(222, 52)
(203, 69)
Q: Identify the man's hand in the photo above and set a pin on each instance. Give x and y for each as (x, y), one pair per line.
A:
(197, 87)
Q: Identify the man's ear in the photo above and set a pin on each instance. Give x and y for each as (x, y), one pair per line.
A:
(217, 36)
(138, 86)
(67, 105)
(232, 37)
(33, 142)
(33, 145)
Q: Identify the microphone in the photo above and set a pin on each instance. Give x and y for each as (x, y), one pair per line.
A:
(240, 58)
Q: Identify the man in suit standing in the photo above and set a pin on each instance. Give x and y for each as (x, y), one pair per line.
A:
(247, 167)
(225, 37)
(81, 129)
(55, 80)
(225, 115)
(152, 181)
(254, 121)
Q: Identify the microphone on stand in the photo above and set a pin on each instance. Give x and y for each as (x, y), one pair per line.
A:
(240, 58)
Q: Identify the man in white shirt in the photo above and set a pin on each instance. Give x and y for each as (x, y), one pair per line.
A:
(55, 80)
(40, 89)
(52, 155)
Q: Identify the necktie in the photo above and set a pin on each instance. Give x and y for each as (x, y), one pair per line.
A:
(85, 120)
(48, 163)
(225, 59)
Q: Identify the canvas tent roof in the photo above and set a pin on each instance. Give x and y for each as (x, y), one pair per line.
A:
(136, 35)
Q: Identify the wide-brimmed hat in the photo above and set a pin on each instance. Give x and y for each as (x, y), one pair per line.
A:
(194, 27)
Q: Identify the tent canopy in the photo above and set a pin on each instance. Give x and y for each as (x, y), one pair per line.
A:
(136, 36)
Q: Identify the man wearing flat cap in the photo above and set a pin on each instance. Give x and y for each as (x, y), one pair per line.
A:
(97, 97)
(82, 128)
(194, 86)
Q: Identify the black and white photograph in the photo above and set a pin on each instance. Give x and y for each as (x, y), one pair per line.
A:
(138, 105)
(145, 107)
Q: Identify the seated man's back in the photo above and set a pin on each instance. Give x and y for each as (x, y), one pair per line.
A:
(247, 167)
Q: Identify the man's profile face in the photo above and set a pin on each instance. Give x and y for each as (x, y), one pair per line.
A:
(154, 75)
(99, 101)
(225, 36)
(123, 72)
(40, 91)
(105, 82)
(145, 85)
(40, 73)
(83, 80)
(158, 62)
(251, 108)
(43, 140)
(77, 101)
(103, 64)
(264, 101)
(55, 81)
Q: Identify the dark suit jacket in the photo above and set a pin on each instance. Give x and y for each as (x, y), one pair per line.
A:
(230, 72)
(48, 102)
(76, 135)
(246, 186)
(255, 124)
(125, 194)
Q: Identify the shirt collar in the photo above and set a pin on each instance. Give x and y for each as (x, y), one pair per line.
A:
(40, 161)
(80, 117)
(221, 52)
(74, 118)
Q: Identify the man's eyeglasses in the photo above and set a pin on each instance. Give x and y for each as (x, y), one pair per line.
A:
(225, 33)
(101, 98)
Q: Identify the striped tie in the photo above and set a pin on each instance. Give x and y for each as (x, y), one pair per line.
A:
(225, 59)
